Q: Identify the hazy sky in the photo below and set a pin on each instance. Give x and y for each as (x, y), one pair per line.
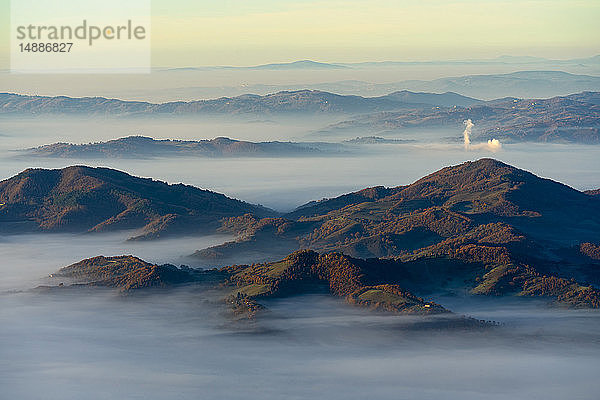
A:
(242, 32)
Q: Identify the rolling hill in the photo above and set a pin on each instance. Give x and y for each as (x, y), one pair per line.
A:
(485, 225)
(146, 147)
(285, 102)
(542, 82)
(523, 84)
(478, 228)
(569, 119)
(85, 199)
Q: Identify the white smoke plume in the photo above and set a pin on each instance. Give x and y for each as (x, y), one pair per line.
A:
(492, 145)
(467, 133)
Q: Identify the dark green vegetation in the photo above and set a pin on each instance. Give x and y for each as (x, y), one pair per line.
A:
(146, 147)
(484, 227)
(84, 199)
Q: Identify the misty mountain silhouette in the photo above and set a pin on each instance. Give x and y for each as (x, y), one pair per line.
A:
(146, 147)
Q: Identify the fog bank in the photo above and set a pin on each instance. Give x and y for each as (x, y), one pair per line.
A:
(94, 344)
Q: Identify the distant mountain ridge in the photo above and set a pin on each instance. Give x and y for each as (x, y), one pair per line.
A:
(302, 64)
(522, 84)
(311, 64)
(294, 65)
(567, 119)
(504, 59)
(447, 99)
(301, 101)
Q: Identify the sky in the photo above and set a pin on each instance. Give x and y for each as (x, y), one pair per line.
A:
(241, 32)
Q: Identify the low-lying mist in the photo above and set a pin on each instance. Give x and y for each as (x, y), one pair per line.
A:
(27, 260)
(96, 344)
(24, 132)
(179, 343)
(74, 343)
(284, 183)
(177, 84)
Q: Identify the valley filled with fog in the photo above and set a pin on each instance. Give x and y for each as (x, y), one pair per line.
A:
(301, 199)
(178, 343)
(284, 183)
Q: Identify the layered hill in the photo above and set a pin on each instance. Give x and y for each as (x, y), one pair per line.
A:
(389, 222)
(378, 284)
(540, 83)
(493, 228)
(299, 101)
(478, 228)
(85, 199)
(568, 119)
(127, 273)
(377, 140)
(146, 147)
(361, 282)
(390, 285)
